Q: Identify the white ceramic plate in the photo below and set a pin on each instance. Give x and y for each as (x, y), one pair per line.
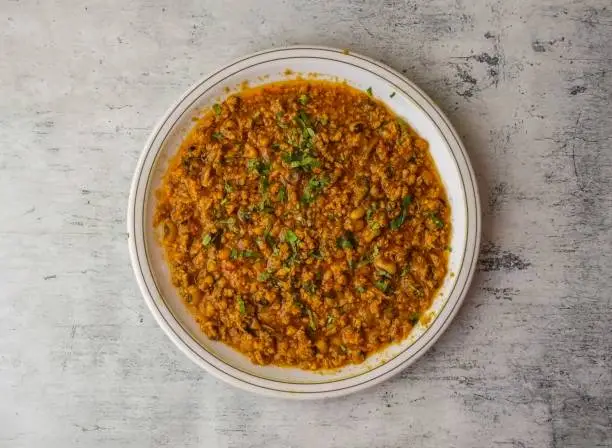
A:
(267, 66)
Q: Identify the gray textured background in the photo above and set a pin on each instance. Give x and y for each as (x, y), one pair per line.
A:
(526, 363)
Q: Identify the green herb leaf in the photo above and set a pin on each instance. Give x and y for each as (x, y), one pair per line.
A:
(397, 222)
(313, 188)
(262, 167)
(291, 238)
(244, 215)
(437, 221)
(303, 160)
(370, 212)
(312, 323)
(269, 238)
(346, 241)
(229, 222)
(302, 119)
(263, 276)
(217, 108)
(310, 287)
(369, 91)
(207, 239)
(279, 120)
(383, 285)
(392, 95)
(360, 289)
(234, 254)
(241, 306)
(228, 187)
(330, 320)
(217, 136)
(249, 254)
(303, 99)
(282, 194)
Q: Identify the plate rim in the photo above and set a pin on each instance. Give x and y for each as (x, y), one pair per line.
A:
(472, 242)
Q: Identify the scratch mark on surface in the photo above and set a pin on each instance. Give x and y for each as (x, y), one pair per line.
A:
(70, 343)
(112, 107)
(573, 153)
(91, 428)
(49, 277)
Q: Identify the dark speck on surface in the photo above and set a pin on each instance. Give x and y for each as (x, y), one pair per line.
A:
(493, 258)
(577, 89)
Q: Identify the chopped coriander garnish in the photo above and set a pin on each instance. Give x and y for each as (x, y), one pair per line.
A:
(437, 221)
(330, 320)
(229, 222)
(241, 306)
(217, 136)
(282, 194)
(264, 183)
(275, 146)
(291, 238)
(343, 348)
(236, 254)
(360, 289)
(269, 238)
(312, 323)
(249, 254)
(244, 215)
(303, 99)
(310, 287)
(228, 187)
(369, 91)
(302, 119)
(313, 189)
(382, 273)
(346, 241)
(397, 222)
(217, 108)
(303, 160)
(263, 276)
(370, 212)
(260, 166)
(207, 239)
(383, 285)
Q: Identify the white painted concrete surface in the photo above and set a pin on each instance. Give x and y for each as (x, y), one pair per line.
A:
(526, 364)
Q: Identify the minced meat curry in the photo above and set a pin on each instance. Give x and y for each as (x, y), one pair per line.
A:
(304, 224)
